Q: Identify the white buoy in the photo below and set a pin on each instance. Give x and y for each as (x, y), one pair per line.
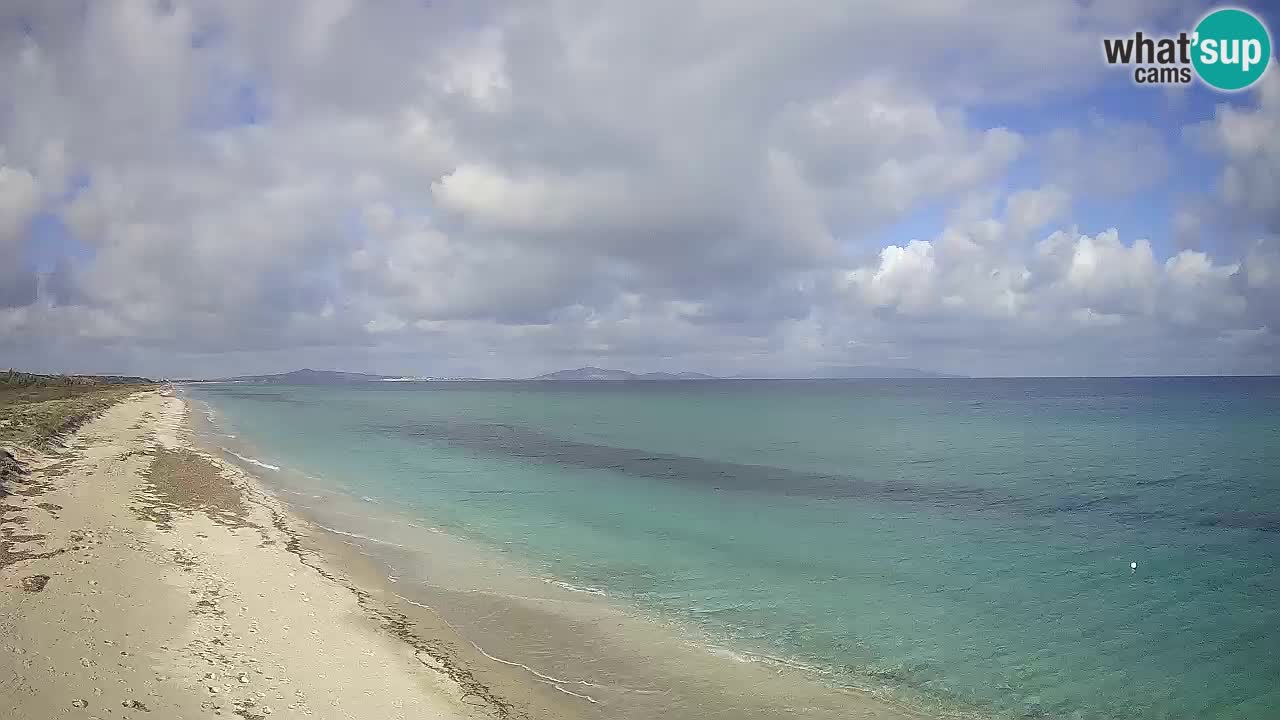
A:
(1133, 567)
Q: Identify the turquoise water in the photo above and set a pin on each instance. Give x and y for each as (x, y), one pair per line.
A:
(965, 543)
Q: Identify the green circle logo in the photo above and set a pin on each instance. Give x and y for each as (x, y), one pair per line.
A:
(1232, 49)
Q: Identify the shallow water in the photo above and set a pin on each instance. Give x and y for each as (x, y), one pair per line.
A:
(965, 545)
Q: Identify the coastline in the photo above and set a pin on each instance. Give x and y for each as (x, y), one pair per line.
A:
(152, 575)
(148, 577)
(587, 654)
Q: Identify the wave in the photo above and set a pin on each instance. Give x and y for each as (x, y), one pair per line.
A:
(251, 461)
(731, 607)
(730, 654)
(788, 663)
(575, 588)
(743, 656)
(297, 493)
(358, 536)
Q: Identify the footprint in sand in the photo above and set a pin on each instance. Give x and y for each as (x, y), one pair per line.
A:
(34, 583)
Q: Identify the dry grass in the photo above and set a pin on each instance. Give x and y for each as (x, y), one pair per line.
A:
(33, 415)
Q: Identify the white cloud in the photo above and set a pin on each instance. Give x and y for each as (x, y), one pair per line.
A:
(903, 278)
(1031, 209)
(487, 197)
(1248, 140)
(876, 149)
(1101, 271)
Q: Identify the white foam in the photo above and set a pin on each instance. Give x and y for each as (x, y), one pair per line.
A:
(574, 588)
(358, 536)
(251, 461)
(554, 682)
(793, 664)
(294, 492)
(731, 655)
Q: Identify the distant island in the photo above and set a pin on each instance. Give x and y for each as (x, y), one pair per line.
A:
(603, 374)
(597, 374)
(308, 376)
(858, 372)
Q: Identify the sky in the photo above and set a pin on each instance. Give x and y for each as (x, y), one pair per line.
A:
(483, 188)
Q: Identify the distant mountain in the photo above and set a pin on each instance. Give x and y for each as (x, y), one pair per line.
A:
(854, 372)
(309, 377)
(596, 374)
(871, 371)
(583, 374)
(686, 375)
(588, 373)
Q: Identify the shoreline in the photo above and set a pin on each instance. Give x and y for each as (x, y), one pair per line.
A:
(152, 578)
(632, 657)
(169, 579)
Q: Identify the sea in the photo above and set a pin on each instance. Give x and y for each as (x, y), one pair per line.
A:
(958, 548)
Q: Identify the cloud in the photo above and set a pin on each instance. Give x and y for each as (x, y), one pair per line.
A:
(1248, 141)
(19, 199)
(977, 294)
(1031, 209)
(504, 187)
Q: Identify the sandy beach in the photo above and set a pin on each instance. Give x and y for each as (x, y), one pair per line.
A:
(142, 577)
